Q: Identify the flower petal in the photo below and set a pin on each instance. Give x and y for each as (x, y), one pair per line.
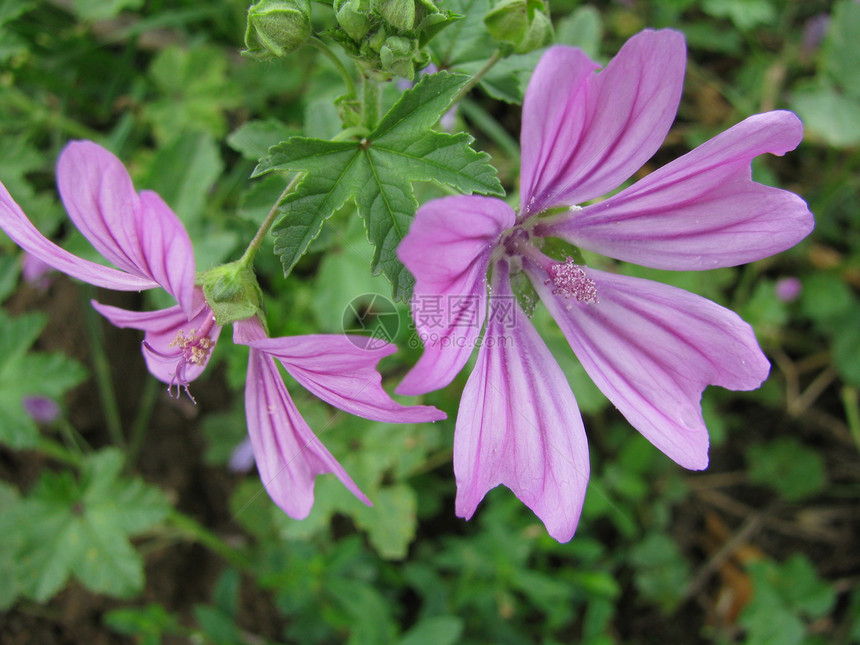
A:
(652, 349)
(162, 328)
(288, 454)
(340, 371)
(701, 211)
(519, 425)
(448, 251)
(15, 224)
(166, 249)
(583, 133)
(139, 234)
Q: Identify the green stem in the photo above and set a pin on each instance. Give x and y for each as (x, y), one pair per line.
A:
(73, 438)
(141, 422)
(338, 64)
(101, 366)
(38, 112)
(370, 102)
(198, 533)
(248, 256)
(495, 58)
(58, 451)
(852, 412)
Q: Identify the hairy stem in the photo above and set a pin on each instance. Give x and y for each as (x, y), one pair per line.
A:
(339, 66)
(495, 58)
(248, 256)
(370, 102)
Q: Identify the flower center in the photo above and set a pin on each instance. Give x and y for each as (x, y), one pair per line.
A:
(191, 349)
(570, 281)
(516, 241)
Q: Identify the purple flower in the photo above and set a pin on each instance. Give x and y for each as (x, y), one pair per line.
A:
(35, 272)
(41, 409)
(651, 348)
(141, 236)
(788, 289)
(331, 367)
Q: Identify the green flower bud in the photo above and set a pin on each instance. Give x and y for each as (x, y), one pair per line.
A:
(276, 28)
(521, 24)
(399, 14)
(396, 56)
(353, 16)
(232, 291)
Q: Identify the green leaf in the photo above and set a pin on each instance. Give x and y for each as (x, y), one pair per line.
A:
(11, 9)
(25, 374)
(17, 335)
(370, 617)
(583, 28)
(195, 91)
(785, 598)
(840, 53)
(391, 521)
(787, 466)
(661, 570)
(438, 630)
(148, 623)
(102, 9)
(10, 543)
(66, 527)
(745, 14)
(377, 172)
(184, 171)
(254, 138)
(829, 115)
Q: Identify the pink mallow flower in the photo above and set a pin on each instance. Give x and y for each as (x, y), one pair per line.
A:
(651, 348)
(139, 234)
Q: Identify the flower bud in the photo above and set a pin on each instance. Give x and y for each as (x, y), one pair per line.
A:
(276, 28)
(353, 16)
(521, 24)
(232, 292)
(399, 14)
(397, 56)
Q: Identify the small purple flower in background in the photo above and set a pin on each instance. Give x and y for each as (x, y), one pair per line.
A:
(788, 289)
(242, 458)
(651, 348)
(41, 409)
(35, 272)
(814, 31)
(144, 238)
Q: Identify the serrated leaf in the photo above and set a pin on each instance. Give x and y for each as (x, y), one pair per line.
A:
(391, 521)
(67, 527)
(18, 334)
(787, 466)
(254, 138)
(377, 172)
(106, 563)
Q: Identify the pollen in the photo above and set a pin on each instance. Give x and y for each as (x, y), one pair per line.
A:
(571, 281)
(194, 349)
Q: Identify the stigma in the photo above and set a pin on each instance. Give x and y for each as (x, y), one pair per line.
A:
(571, 281)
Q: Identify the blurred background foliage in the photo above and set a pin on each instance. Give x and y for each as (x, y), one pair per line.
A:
(122, 517)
